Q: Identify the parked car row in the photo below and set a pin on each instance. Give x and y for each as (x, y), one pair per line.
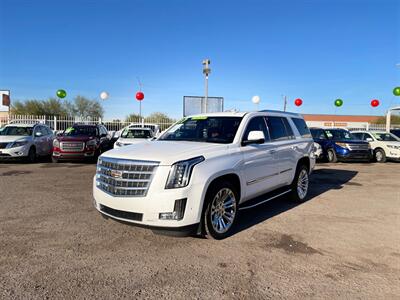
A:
(87, 142)
(339, 144)
(78, 142)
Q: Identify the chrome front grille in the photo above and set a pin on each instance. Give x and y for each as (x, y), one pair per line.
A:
(123, 177)
(358, 146)
(72, 146)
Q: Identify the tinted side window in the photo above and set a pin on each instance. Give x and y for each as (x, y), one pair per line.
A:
(302, 127)
(256, 124)
(318, 134)
(277, 129)
(367, 135)
(358, 135)
(289, 129)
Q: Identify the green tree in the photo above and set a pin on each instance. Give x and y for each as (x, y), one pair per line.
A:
(157, 117)
(393, 119)
(132, 118)
(50, 106)
(85, 108)
(80, 107)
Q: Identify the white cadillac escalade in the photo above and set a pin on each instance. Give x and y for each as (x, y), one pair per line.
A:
(201, 171)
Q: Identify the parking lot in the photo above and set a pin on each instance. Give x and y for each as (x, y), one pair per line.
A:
(342, 243)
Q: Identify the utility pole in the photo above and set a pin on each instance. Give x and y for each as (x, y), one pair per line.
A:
(206, 72)
(284, 103)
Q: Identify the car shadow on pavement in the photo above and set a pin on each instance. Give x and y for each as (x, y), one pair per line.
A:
(321, 181)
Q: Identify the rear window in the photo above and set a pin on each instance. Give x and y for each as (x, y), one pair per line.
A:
(302, 127)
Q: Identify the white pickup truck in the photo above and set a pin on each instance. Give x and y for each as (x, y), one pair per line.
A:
(204, 169)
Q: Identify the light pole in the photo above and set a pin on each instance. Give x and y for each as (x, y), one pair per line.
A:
(206, 72)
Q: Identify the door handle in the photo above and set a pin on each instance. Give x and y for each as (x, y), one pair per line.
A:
(271, 151)
(294, 147)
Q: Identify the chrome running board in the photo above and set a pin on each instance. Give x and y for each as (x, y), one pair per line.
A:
(265, 200)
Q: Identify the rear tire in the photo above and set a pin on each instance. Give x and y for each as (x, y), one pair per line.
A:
(380, 156)
(221, 212)
(300, 184)
(331, 155)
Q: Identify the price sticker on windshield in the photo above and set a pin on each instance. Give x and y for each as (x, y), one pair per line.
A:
(69, 129)
(195, 118)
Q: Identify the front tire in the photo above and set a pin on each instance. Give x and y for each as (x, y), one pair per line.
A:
(31, 155)
(331, 155)
(300, 184)
(222, 209)
(380, 156)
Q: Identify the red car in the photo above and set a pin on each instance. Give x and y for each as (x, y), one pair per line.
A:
(83, 142)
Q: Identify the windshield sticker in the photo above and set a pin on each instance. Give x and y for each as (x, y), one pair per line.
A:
(69, 129)
(199, 118)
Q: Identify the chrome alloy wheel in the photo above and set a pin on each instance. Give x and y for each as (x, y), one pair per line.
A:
(223, 210)
(302, 184)
(378, 156)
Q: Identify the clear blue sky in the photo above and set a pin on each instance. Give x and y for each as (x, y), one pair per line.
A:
(315, 50)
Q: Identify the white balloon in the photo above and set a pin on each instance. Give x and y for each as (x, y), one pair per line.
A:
(104, 95)
(256, 99)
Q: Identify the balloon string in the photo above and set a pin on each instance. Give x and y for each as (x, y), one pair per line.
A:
(140, 83)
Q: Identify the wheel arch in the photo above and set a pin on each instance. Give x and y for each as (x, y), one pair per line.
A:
(232, 177)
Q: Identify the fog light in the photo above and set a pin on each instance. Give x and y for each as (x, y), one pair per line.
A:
(177, 214)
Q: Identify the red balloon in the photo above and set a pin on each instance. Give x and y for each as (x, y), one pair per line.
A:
(375, 103)
(139, 96)
(298, 102)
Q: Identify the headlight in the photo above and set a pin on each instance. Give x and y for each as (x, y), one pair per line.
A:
(56, 143)
(17, 144)
(394, 147)
(343, 145)
(179, 175)
(91, 143)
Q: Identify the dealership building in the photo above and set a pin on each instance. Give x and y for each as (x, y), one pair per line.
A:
(351, 121)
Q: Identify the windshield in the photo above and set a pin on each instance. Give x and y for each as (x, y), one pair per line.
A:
(81, 131)
(337, 134)
(385, 137)
(17, 130)
(204, 129)
(136, 134)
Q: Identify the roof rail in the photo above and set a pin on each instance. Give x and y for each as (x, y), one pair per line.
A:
(279, 111)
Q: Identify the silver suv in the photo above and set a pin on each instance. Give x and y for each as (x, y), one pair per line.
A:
(25, 141)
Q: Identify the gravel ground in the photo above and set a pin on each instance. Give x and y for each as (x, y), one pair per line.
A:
(342, 243)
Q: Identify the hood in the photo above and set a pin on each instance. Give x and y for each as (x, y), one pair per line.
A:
(14, 138)
(394, 143)
(81, 138)
(132, 141)
(167, 152)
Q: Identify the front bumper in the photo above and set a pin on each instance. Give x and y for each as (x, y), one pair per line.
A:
(73, 155)
(354, 155)
(14, 153)
(146, 210)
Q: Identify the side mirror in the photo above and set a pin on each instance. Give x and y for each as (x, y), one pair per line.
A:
(38, 134)
(103, 135)
(254, 137)
(369, 140)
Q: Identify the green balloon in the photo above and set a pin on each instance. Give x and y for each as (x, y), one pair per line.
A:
(396, 91)
(338, 102)
(61, 94)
